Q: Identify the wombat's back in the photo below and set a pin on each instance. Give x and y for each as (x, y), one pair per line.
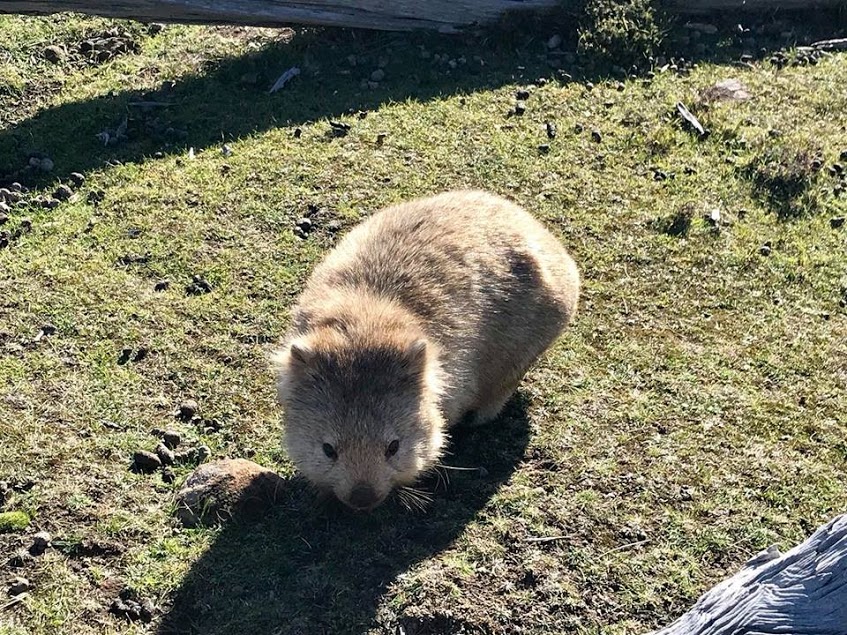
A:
(485, 280)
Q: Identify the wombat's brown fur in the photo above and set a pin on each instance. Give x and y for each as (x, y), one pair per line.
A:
(427, 314)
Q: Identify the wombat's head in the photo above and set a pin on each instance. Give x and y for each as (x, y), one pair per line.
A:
(361, 414)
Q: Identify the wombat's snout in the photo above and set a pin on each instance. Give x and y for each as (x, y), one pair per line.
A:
(363, 497)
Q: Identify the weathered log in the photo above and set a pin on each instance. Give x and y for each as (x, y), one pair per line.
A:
(803, 592)
(399, 15)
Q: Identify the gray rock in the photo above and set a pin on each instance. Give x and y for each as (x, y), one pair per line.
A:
(171, 438)
(18, 586)
(188, 409)
(40, 543)
(165, 455)
(145, 461)
(554, 42)
(218, 490)
(378, 75)
(54, 54)
(63, 192)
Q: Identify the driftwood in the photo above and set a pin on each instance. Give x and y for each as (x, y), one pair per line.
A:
(399, 15)
(803, 592)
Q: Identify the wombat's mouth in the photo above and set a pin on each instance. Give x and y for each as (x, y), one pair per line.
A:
(363, 498)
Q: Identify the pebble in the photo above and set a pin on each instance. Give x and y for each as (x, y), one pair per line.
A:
(162, 285)
(305, 224)
(714, 217)
(334, 226)
(54, 54)
(165, 455)
(554, 42)
(544, 148)
(765, 249)
(171, 438)
(63, 192)
(76, 178)
(187, 410)
(145, 461)
(198, 286)
(522, 94)
(837, 222)
(520, 108)
(19, 586)
(596, 137)
(378, 75)
(40, 543)
(219, 489)
(551, 130)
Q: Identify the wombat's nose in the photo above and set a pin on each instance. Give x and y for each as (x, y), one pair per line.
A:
(363, 496)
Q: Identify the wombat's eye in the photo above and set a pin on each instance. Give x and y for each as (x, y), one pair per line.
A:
(392, 448)
(330, 451)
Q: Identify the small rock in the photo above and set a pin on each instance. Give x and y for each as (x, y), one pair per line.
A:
(171, 438)
(837, 222)
(714, 217)
(551, 130)
(554, 42)
(203, 453)
(544, 148)
(19, 586)
(522, 94)
(154, 28)
(146, 462)
(378, 75)
(40, 543)
(339, 128)
(520, 108)
(63, 192)
(334, 225)
(165, 455)
(162, 285)
(54, 54)
(596, 137)
(839, 169)
(305, 224)
(96, 196)
(226, 150)
(76, 178)
(198, 286)
(298, 132)
(223, 488)
(726, 90)
(765, 249)
(46, 164)
(578, 128)
(187, 410)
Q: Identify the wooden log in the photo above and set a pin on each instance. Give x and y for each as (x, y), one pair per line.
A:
(803, 592)
(396, 15)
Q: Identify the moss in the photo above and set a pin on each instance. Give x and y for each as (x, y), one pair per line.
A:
(13, 521)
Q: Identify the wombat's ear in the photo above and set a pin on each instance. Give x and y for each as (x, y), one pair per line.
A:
(416, 352)
(301, 353)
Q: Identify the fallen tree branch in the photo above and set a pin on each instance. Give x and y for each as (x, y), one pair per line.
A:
(399, 15)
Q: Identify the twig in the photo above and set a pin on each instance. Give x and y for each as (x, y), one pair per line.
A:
(15, 600)
(546, 539)
(626, 546)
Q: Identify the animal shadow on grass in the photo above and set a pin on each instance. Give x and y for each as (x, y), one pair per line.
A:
(307, 568)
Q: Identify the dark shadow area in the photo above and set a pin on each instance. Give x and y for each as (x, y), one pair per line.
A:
(229, 99)
(308, 568)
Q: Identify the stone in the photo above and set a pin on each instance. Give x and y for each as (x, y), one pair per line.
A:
(378, 75)
(63, 192)
(726, 90)
(18, 586)
(166, 456)
(596, 137)
(222, 489)
(520, 108)
(76, 178)
(837, 222)
(146, 462)
(40, 543)
(554, 42)
(187, 410)
(54, 54)
(171, 438)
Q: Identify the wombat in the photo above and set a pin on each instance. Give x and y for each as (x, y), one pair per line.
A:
(425, 315)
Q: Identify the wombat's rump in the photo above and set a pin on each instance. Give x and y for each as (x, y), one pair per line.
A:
(427, 314)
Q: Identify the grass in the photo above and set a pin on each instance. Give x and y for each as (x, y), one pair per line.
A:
(691, 417)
